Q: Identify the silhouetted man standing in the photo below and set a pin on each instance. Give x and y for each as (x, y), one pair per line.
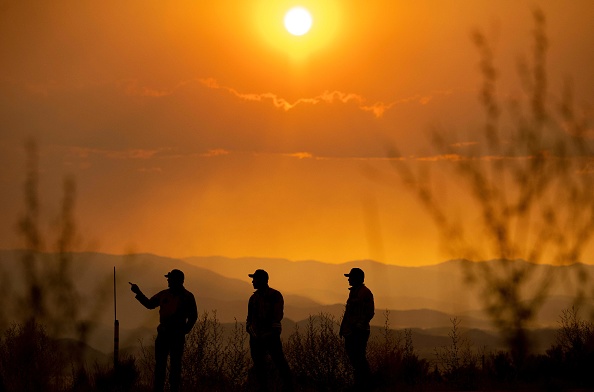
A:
(354, 328)
(177, 316)
(265, 312)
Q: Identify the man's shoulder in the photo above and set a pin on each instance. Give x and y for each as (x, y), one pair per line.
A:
(364, 290)
(367, 292)
(266, 294)
(274, 292)
(188, 294)
(269, 293)
(175, 293)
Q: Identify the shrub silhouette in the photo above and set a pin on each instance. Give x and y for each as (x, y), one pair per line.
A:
(393, 359)
(217, 359)
(49, 297)
(47, 306)
(530, 186)
(316, 356)
(458, 362)
(30, 360)
(571, 358)
(121, 378)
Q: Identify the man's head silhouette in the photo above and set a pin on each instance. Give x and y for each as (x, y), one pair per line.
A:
(356, 276)
(175, 278)
(259, 278)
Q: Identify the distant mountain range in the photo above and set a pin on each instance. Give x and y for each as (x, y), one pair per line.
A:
(423, 298)
(442, 287)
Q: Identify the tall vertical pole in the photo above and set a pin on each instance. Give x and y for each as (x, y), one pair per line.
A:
(116, 324)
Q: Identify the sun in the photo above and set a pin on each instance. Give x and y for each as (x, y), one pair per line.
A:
(298, 21)
(298, 28)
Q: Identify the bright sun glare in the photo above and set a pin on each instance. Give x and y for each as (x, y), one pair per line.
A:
(297, 30)
(298, 21)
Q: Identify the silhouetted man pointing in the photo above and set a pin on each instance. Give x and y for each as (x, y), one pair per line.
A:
(177, 316)
(354, 328)
(265, 312)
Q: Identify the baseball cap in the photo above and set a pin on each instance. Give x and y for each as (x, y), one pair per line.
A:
(175, 274)
(356, 273)
(259, 273)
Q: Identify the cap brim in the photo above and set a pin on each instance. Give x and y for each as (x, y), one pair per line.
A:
(251, 275)
(347, 275)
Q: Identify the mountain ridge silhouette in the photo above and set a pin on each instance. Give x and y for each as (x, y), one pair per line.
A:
(309, 288)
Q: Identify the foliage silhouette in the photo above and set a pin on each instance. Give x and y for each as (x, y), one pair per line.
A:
(29, 359)
(316, 355)
(49, 306)
(50, 296)
(458, 362)
(217, 359)
(529, 183)
(572, 357)
(394, 361)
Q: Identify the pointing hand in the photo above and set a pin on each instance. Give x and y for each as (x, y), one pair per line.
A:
(135, 289)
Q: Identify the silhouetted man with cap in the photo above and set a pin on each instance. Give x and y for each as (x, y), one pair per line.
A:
(354, 328)
(265, 312)
(177, 316)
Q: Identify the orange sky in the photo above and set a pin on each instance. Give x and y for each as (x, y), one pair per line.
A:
(203, 128)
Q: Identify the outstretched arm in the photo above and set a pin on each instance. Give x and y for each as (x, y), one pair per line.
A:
(147, 303)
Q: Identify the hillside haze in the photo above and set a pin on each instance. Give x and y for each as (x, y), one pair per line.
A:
(416, 297)
(440, 287)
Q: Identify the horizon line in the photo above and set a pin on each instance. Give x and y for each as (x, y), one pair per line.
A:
(269, 258)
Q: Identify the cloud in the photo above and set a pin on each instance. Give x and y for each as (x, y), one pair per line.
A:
(329, 97)
(215, 153)
(378, 109)
(300, 155)
(140, 154)
(443, 157)
(458, 158)
(83, 157)
(85, 152)
(463, 144)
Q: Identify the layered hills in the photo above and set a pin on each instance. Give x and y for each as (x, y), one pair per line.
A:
(421, 298)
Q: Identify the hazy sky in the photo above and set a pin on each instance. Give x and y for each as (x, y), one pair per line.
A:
(204, 128)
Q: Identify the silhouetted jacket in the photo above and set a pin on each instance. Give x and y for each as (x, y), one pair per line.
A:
(177, 309)
(359, 311)
(265, 312)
